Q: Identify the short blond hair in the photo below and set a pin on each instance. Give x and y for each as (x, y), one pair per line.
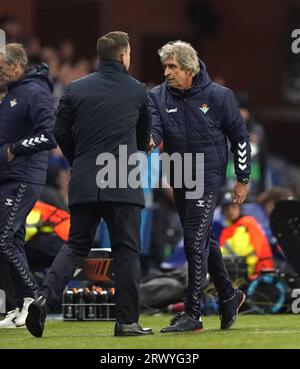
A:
(184, 53)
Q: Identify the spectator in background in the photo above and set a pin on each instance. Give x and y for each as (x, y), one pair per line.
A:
(244, 237)
(34, 47)
(48, 54)
(81, 69)
(270, 197)
(58, 173)
(66, 51)
(266, 203)
(167, 229)
(63, 66)
(64, 78)
(13, 29)
(263, 207)
(47, 228)
(284, 174)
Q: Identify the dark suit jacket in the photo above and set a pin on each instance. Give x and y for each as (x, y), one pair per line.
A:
(96, 115)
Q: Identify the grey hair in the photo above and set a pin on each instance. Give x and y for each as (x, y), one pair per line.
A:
(16, 53)
(183, 52)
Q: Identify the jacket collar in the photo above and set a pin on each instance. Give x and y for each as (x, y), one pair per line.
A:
(38, 72)
(111, 65)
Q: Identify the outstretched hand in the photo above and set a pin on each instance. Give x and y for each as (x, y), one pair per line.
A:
(152, 144)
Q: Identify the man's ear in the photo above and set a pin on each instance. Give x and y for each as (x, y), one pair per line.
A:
(18, 69)
(188, 73)
(17, 65)
(122, 58)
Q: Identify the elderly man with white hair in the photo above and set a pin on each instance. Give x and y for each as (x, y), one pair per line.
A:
(192, 115)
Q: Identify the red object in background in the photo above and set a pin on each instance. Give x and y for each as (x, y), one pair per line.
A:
(258, 240)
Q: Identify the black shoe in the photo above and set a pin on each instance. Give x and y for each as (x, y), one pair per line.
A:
(229, 309)
(133, 329)
(183, 323)
(36, 317)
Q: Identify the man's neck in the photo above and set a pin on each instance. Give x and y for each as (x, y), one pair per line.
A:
(188, 84)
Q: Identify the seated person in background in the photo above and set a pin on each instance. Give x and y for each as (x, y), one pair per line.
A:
(244, 237)
(266, 202)
(47, 228)
(270, 197)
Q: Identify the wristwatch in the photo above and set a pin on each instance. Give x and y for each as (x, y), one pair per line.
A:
(244, 180)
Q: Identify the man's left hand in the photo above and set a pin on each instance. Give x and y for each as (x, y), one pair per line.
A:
(10, 155)
(240, 191)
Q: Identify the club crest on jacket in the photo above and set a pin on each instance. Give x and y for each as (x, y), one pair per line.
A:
(13, 102)
(204, 108)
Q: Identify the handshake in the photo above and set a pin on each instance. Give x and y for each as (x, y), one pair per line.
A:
(152, 145)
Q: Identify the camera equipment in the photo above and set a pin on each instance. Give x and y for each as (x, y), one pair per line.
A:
(271, 292)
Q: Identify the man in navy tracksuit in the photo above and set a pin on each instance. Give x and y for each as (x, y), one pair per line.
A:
(193, 115)
(26, 132)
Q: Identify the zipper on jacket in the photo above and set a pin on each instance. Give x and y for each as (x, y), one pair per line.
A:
(186, 125)
(186, 133)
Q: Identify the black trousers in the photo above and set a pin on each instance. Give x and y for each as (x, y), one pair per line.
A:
(201, 248)
(123, 221)
(16, 201)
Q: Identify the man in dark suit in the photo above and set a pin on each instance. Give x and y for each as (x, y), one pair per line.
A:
(96, 116)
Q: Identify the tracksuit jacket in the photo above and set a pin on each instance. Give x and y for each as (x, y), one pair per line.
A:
(27, 123)
(199, 120)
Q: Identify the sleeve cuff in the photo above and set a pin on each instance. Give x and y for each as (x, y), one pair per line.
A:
(156, 138)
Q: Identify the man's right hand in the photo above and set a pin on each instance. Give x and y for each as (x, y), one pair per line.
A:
(152, 144)
(10, 155)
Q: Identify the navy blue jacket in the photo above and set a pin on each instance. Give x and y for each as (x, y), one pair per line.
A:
(96, 115)
(199, 120)
(27, 124)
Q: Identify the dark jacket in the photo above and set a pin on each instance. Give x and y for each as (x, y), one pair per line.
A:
(199, 120)
(98, 113)
(26, 123)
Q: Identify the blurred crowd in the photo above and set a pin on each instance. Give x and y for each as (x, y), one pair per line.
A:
(273, 178)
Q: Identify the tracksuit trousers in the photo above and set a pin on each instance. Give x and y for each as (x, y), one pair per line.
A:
(201, 248)
(16, 201)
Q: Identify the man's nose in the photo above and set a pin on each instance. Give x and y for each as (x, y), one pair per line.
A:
(167, 71)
